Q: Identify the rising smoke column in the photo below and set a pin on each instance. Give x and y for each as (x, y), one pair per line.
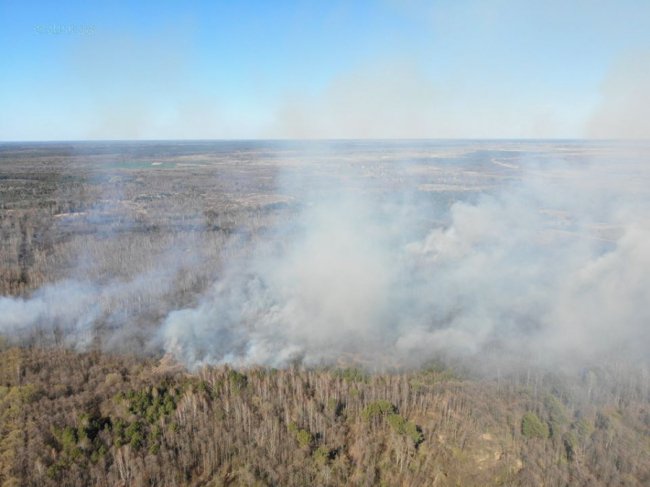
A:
(525, 274)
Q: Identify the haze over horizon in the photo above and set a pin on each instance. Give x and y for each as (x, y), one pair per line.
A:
(299, 70)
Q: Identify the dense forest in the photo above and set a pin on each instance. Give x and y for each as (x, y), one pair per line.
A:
(96, 419)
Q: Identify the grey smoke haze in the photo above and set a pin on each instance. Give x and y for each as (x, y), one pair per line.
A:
(524, 273)
(624, 108)
(549, 268)
(74, 312)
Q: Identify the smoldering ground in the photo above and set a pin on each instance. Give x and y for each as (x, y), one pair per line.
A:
(540, 257)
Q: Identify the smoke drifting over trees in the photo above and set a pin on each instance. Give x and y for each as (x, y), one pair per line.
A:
(492, 253)
(497, 290)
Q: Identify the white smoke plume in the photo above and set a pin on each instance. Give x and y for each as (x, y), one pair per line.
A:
(549, 266)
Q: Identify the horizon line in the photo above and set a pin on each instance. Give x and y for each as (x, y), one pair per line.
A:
(337, 139)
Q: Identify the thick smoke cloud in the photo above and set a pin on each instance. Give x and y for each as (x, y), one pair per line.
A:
(549, 267)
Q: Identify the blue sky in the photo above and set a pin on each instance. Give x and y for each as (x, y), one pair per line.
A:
(330, 69)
